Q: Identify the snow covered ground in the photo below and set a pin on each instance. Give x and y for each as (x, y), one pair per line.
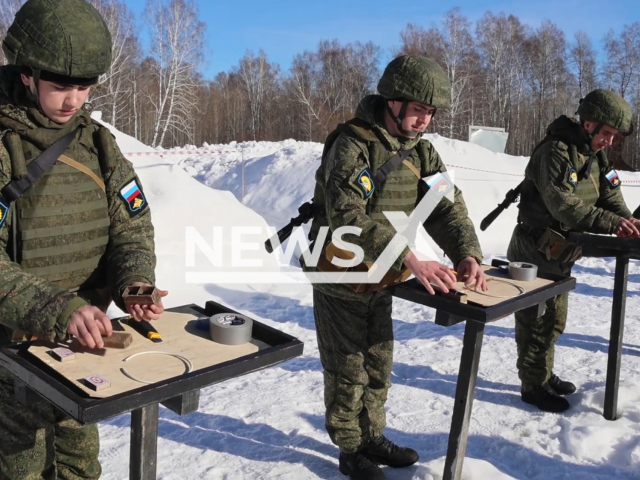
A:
(269, 424)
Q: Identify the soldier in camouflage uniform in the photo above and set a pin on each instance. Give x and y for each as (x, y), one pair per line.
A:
(569, 186)
(76, 238)
(355, 334)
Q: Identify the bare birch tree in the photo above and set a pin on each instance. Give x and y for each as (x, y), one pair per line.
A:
(623, 58)
(418, 41)
(259, 79)
(500, 40)
(302, 83)
(177, 42)
(546, 73)
(114, 93)
(583, 60)
(328, 84)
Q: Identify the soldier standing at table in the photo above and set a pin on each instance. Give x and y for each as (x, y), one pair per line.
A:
(569, 186)
(75, 238)
(354, 328)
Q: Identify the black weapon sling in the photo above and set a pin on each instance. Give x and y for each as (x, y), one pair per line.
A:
(37, 168)
(17, 188)
(391, 164)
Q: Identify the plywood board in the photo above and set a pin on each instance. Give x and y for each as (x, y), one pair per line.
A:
(501, 288)
(180, 336)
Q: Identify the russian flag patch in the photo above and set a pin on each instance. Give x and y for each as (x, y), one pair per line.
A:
(612, 178)
(438, 183)
(133, 197)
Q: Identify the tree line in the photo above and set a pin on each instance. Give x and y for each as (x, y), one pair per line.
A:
(503, 72)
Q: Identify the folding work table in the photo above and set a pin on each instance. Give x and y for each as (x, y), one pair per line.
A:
(180, 393)
(448, 313)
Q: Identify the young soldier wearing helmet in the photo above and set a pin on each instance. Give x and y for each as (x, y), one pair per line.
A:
(354, 328)
(569, 186)
(76, 237)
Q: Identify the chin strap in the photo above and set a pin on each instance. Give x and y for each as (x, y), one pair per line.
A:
(596, 130)
(400, 117)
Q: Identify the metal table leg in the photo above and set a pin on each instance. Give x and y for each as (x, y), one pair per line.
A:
(144, 443)
(467, 376)
(615, 338)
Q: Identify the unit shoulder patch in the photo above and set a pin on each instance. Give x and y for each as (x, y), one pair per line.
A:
(4, 209)
(131, 194)
(612, 178)
(438, 183)
(572, 177)
(364, 183)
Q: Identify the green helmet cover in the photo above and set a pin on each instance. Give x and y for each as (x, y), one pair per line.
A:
(68, 38)
(607, 107)
(416, 79)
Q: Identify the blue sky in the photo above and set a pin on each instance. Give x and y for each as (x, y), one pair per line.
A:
(283, 28)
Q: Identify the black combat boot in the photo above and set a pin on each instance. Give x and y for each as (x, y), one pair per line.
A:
(359, 467)
(546, 399)
(383, 451)
(562, 387)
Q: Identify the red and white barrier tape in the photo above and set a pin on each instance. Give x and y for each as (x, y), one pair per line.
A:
(163, 153)
(484, 171)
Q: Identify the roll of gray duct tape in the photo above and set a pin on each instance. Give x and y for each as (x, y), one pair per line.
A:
(525, 272)
(230, 328)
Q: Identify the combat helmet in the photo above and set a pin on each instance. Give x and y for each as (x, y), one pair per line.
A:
(413, 78)
(59, 40)
(606, 107)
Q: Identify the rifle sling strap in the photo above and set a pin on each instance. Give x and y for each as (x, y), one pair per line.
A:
(391, 164)
(37, 168)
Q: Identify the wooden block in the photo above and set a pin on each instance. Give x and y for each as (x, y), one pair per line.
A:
(62, 354)
(96, 382)
(141, 296)
(118, 340)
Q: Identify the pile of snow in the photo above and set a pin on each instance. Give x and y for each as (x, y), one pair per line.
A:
(269, 424)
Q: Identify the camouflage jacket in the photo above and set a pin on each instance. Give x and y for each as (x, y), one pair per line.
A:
(78, 237)
(557, 191)
(355, 155)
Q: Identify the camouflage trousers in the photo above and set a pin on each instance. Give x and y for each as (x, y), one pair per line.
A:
(41, 442)
(536, 336)
(355, 340)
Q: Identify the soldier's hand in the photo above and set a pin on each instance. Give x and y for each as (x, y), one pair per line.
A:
(627, 228)
(472, 274)
(146, 312)
(430, 271)
(89, 324)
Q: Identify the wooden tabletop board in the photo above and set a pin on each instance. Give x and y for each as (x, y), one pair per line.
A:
(180, 336)
(501, 288)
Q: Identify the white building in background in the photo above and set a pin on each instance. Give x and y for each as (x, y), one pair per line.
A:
(492, 138)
